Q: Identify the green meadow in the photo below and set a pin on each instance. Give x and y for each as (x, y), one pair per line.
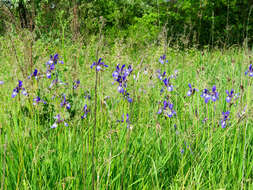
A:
(192, 149)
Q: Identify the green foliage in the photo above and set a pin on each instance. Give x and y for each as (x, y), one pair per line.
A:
(199, 22)
(145, 29)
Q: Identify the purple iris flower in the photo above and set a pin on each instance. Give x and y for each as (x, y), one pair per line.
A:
(121, 73)
(53, 60)
(86, 111)
(76, 84)
(121, 89)
(230, 95)
(122, 81)
(205, 94)
(130, 100)
(250, 71)
(58, 121)
(87, 95)
(160, 76)
(118, 71)
(167, 109)
(214, 95)
(49, 70)
(170, 112)
(162, 59)
(167, 83)
(64, 103)
(18, 89)
(98, 65)
(224, 119)
(125, 120)
(1, 82)
(48, 74)
(127, 96)
(37, 100)
(129, 70)
(191, 91)
(35, 74)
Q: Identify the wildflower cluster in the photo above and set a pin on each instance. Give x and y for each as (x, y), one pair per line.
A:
(163, 59)
(51, 64)
(207, 95)
(58, 120)
(167, 109)
(166, 80)
(120, 76)
(64, 101)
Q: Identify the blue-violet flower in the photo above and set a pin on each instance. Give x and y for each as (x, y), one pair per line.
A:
(214, 95)
(162, 59)
(250, 71)
(191, 91)
(224, 119)
(18, 89)
(37, 100)
(64, 103)
(98, 65)
(58, 121)
(86, 111)
(167, 83)
(167, 109)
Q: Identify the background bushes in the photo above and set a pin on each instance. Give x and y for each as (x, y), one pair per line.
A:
(184, 22)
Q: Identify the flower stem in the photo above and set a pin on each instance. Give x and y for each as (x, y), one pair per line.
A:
(95, 112)
(94, 134)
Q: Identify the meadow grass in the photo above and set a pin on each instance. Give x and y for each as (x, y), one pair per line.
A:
(153, 151)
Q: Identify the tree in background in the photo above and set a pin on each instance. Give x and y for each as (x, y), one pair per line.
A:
(187, 23)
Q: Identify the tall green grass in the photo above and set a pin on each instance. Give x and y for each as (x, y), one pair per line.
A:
(149, 154)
